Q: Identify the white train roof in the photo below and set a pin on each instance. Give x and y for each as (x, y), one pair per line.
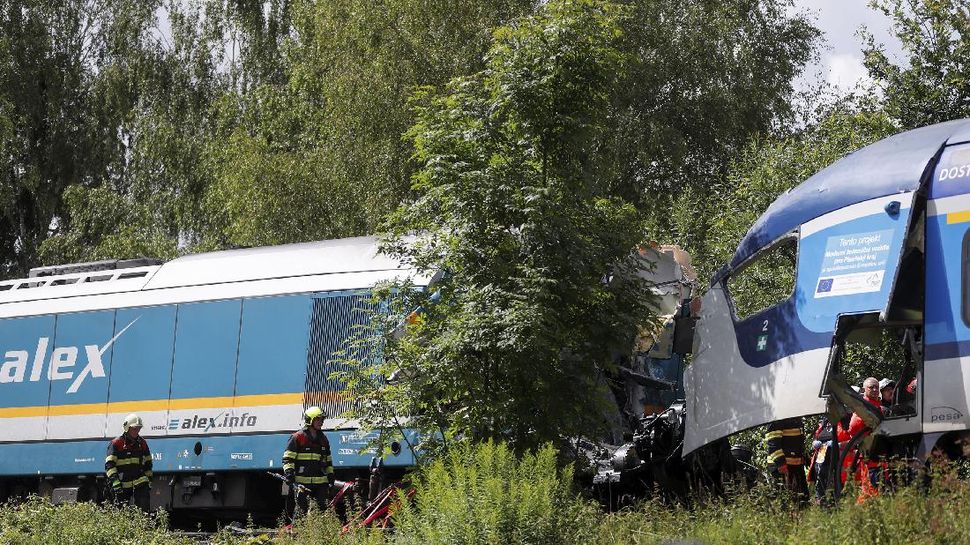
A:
(343, 264)
(348, 255)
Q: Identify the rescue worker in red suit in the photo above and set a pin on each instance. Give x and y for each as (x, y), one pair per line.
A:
(864, 473)
(786, 456)
(128, 466)
(307, 462)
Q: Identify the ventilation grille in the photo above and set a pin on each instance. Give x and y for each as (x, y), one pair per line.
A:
(335, 320)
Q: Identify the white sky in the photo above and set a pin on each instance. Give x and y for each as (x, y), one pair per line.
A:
(841, 56)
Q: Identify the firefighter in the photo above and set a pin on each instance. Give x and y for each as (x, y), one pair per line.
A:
(308, 463)
(786, 456)
(128, 466)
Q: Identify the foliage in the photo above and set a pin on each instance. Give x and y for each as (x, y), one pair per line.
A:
(704, 78)
(909, 515)
(37, 522)
(485, 494)
(932, 84)
(317, 153)
(155, 91)
(63, 95)
(768, 167)
(540, 285)
(275, 121)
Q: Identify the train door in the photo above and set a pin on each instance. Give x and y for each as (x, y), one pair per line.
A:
(946, 376)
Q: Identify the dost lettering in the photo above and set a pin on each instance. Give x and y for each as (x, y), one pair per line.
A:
(60, 365)
(953, 173)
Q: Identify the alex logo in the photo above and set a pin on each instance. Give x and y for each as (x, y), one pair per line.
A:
(60, 366)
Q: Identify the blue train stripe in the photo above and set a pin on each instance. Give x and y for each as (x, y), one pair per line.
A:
(178, 454)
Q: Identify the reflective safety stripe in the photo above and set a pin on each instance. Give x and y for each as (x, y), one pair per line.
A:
(111, 472)
(289, 465)
(288, 454)
(774, 456)
(772, 435)
(794, 461)
(134, 483)
(791, 432)
(110, 458)
(311, 480)
(146, 459)
(127, 461)
(329, 470)
(149, 474)
(309, 456)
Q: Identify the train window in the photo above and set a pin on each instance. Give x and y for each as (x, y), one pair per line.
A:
(766, 280)
(137, 274)
(965, 279)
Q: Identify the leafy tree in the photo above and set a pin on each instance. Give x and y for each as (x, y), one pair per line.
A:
(933, 83)
(540, 287)
(705, 77)
(768, 167)
(52, 132)
(150, 93)
(319, 154)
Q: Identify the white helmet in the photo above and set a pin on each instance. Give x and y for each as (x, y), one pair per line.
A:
(132, 420)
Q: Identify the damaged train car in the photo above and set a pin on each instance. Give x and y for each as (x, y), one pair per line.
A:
(878, 246)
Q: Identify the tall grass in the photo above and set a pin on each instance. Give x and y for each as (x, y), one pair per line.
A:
(37, 522)
(484, 494)
(910, 515)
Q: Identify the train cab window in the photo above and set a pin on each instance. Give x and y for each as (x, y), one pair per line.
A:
(766, 280)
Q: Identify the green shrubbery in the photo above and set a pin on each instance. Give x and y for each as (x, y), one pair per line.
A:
(485, 494)
(37, 522)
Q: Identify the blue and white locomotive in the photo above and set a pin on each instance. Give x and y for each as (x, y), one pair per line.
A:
(219, 353)
(881, 247)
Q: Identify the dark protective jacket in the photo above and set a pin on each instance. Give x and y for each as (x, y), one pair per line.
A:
(786, 443)
(129, 461)
(308, 460)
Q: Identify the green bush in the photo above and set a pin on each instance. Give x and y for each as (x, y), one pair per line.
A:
(37, 522)
(484, 494)
(910, 515)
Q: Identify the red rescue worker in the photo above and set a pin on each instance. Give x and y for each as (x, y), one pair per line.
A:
(128, 465)
(307, 462)
(863, 475)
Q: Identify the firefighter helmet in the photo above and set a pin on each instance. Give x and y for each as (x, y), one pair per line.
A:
(311, 413)
(132, 420)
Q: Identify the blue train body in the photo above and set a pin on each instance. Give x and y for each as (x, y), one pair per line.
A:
(881, 246)
(219, 353)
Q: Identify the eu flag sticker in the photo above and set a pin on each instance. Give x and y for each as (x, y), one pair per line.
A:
(824, 285)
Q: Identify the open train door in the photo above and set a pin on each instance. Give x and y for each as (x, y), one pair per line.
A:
(843, 233)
